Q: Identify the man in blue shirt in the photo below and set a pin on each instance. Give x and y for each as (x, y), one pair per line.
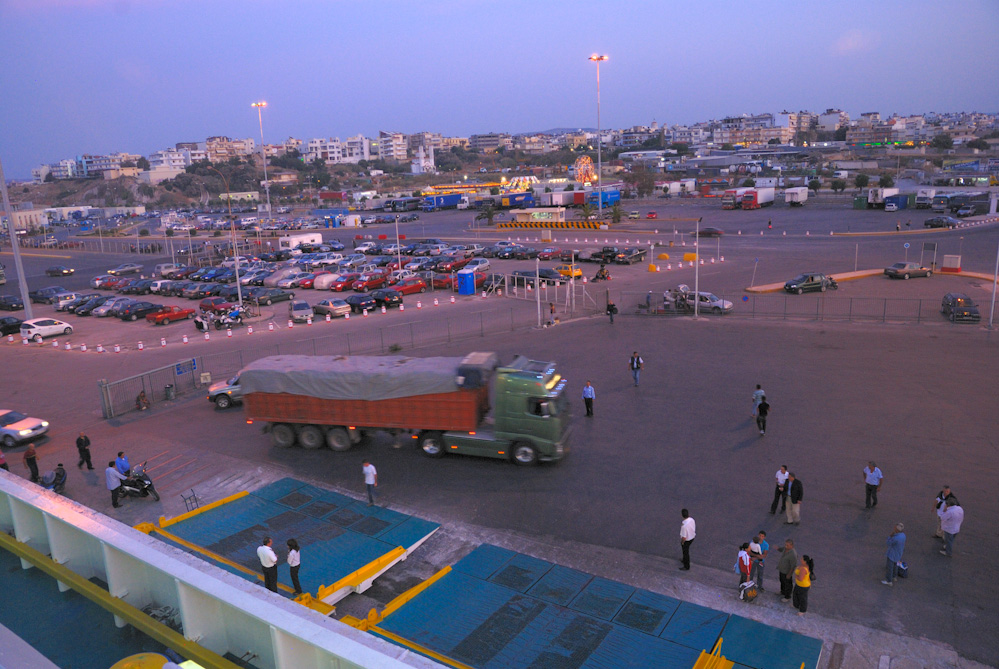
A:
(872, 484)
(896, 546)
(589, 393)
(121, 463)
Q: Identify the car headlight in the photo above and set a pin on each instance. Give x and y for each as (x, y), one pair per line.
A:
(24, 433)
(45, 423)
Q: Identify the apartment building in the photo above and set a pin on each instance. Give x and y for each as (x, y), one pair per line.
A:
(173, 159)
(328, 150)
(451, 142)
(832, 120)
(490, 142)
(355, 149)
(428, 140)
(392, 146)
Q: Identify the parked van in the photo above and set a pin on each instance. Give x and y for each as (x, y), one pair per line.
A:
(60, 300)
(158, 285)
(163, 268)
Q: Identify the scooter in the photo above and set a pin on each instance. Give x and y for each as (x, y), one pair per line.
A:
(138, 483)
(54, 480)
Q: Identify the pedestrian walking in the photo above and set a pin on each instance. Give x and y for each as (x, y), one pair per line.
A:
(635, 364)
(758, 396)
(795, 493)
(762, 411)
(872, 484)
(83, 447)
(743, 562)
(941, 505)
(121, 463)
(785, 568)
(551, 313)
(687, 533)
(648, 301)
(268, 564)
(770, 224)
(370, 480)
(3, 462)
(294, 563)
(589, 394)
(30, 459)
(802, 584)
(950, 523)
(898, 227)
(113, 478)
(611, 310)
(780, 490)
(896, 546)
(762, 548)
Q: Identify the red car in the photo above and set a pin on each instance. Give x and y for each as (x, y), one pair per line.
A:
(549, 253)
(443, 281)
(169, 314)
(216, 304)
(451, 264)
(345, 282)
(410, 285)
(121, 284)
(370, 281)
(652, 214)
(309, 281)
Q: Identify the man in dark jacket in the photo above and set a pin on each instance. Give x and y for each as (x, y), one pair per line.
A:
(83, 446)
(795, 493)
(785, 568)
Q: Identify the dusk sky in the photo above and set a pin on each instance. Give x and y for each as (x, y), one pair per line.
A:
(100, 76)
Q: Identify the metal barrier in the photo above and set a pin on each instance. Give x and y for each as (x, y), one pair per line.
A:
(185, 376)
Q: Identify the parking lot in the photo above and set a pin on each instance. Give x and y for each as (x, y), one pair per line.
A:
(913, 396)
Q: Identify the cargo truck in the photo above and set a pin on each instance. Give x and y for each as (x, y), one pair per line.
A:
(437, 202)
(557, 199)
(444, 404)
(924, 198)
(796, 197)
(896, 202)
(607, 198)
(757, 198)
(516, 200)
(876, 196)
(732, 198)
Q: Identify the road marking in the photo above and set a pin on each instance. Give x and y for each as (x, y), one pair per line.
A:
(35, 255)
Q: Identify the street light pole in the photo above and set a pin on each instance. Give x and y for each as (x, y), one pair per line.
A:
(600, 194)
(232, 228)
(263, 155)
(14, 247)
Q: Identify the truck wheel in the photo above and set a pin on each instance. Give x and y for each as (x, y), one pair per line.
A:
(223, 401)
(311, 437)
(283, 435)
(432, 444)
(338, 439)
(524, 454)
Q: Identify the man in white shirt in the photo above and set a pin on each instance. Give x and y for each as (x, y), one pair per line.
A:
(950, 523)
(370, 480)
(758, 396)
(113, 479)
(780, 492)
(872, 484)
(687, 534)
(268, 562)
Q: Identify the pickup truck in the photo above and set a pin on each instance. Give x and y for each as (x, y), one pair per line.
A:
(169, 314)
(605, 255)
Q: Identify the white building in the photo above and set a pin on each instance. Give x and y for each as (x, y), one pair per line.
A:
(168, 158)
(423, 163)
(39, 173)
(355, 149)
(392, 146)
(330, 151)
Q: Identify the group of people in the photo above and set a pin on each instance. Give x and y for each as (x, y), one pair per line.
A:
(269, 561)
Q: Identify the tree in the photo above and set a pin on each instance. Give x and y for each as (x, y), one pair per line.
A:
(838, 186)
(169, 232)
(749, 182)
(727, 147)
(840, 134)
(494, 191)
(616, 213)
(142, 164)
(641, 179)
(886, 181)
(814, 185)
(586, 210)
(680, 148)
(773, 140)
(570, 187)
(861, 181)
(128, 163)
(487, 214)
(942, 141)
(979, 144)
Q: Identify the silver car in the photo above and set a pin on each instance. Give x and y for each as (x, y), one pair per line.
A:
(225, 393)
(15, 427)
(300, 311)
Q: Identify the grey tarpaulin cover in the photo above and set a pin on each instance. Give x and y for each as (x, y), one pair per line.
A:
(351, 378)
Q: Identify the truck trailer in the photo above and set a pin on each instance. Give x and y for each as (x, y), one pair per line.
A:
(757, 198)
(876, 196)
(517, 200)
(443, 404)
(896, 202)
(796, 197)
(732, 199)
(437, 202)
(924, 198)
(607, 198)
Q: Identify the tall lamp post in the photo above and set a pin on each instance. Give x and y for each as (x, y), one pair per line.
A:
(600, 193)
(263, 154)
(232, 229)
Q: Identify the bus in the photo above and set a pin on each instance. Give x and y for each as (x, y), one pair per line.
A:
(406, 203)
(941, 201)
(951, 202)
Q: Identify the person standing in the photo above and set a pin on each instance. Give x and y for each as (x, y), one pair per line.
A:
(785, 568)
(370, 480)
(762, 411)
(268, 563)
(611, 310)
(744, 562)
(896, 546)
(687, 533)
(83, 447)
(3, 462)
(950, 523)
(122, 464)
(294, 562)
(635, 364)
(551, 313)
(795, 493)
(30, 459)
(780, 491)
(113, 478)
(802, 584)
(872, 484)
(763, 548)
(941, 505)
(589, 394)
(758, 396)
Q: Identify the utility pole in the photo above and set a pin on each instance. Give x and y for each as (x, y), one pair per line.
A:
(15, 249)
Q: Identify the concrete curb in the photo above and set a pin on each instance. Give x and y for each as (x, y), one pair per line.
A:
(845, 276)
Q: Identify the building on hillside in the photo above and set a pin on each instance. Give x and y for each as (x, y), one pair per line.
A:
(64, 169)
(451, 142)
(392, 146)
(292, 144)
(120, 172)
(490, 142)
(832, 120)
(155, 175)
(170, 158)
(423, 163)
(355, 149)
(328, 150)
(220, 149)
(38, 174)
(801, 121)
(428, 140)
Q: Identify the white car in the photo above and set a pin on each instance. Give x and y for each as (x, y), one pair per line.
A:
(707, 302)
(38, 328)
(364, 247)
(400, 274)
(15, 427)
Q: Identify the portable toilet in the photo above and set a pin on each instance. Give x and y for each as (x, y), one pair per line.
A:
(466, 282)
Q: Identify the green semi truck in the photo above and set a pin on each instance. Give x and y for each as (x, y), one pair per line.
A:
(469, 406)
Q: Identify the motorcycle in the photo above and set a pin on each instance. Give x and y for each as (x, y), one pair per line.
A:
(832, 284)
(229, 320)
(138, 483)
(54, 480)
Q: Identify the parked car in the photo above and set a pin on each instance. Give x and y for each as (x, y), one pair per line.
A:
(10, 325)
(707, 232)
(568, 255)
(38, 328)
(479, 265)
(45, 295)
(344, 282)
(630, 255)
(903, 270)
(494, 281)
(410, 285)
(360, 301)
(549, 253)
(451, 264)
(706, 302)
(634, 215)
(104, 310)
(967, 210)
(569, 271)
(88, 307)
(208, 290)
(652, 214)
(526, 253)
(960, 307)
(11, 303)
(508, 252)
(141, 287)
(941, 222)
(268, 296)
(101, 281)
(126, 268)
(300, 311)
(295, 280)
(369, 281)
(215, 305)
(137, 310)
(81, 299)
(332, 307)
(387, 297)
(16, 428)
(169, 314)
(59, 270)
(810, 282)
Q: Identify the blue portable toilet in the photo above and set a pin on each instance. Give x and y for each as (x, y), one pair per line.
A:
(466, 282)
